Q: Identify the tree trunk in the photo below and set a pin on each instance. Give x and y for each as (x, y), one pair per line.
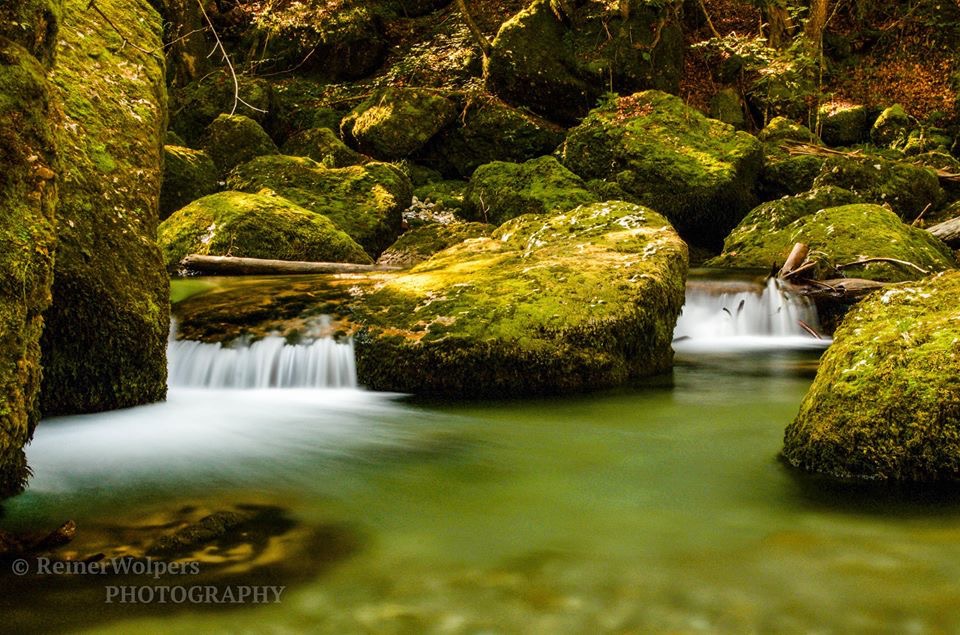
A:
(230, 266)
(817, 21)
(779, 24)
(475, 31)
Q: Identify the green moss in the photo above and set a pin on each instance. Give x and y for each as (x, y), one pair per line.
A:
(446, 194)
(365, 201)
(835, 235)
(418, 244)
(891, 128)
(234, 139)
(254, 226)
(33, 24)
(196, 105)
(725, 106)
(843, 125)
(500, 191)
(783, 129)
(187, 175)
(698, 172)
(886, 400)
(300, 104)
(323, 146)
(28, 198)
(785, 174)
(105, 340)
(396, 122)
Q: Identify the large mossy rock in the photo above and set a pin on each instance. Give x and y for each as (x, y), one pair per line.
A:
(419, 243)
(835, 236)
(698, 172)
(234, 139)
(886, 401)
(366, 201)
(254, 226)
(500, 191)
(323, 146)
(104, 345)
(558, 66)
(28, 198)
(843, 125)
(892, 128)
(187, 175)
(396, 122)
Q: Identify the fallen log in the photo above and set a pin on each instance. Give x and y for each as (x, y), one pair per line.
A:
(948, 231)
(797, 257)
(840, 288)
(231, 266)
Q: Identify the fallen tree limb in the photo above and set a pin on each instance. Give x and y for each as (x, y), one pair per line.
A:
(230, 266)
(948, 231)
(796, 258)
(892, 261)
(841, 288)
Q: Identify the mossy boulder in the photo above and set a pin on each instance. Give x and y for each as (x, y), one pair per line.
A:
(559, 66)
(941, 160)
(843, 124)
(926, 139)
(194, 106)
(323, 146)
(447, 194)
(28, 198)
(33, 24)
(187, 175)
(783, 129)
(492, 131)
(892, 127)
(886, 401)
(234, 139)
(836, 236)
(366, 201)
(726, 106)
(786, 174)
(254, 226)
(418, 244)
(104, 345)
(396, 122)
(500, 191)
(907, 188)
(699, 172)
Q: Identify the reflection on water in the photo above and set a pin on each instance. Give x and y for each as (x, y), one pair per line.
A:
(659, 509)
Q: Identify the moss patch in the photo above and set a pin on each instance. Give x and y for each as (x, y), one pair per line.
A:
(396, 122)
(416, 245)
(195, 106)
(886, 400)
(187, 175)
(234, 139)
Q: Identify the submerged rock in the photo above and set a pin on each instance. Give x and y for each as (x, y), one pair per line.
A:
(886, 400)
(28, 197)
(105, 338)
(187, 175)
(254, 226)
(234, 139)
(366, 201)
(323, 146)
(559, 66)
(698, 172)
(417, 245)
(500, 191)
(836, 236)
(396, 122)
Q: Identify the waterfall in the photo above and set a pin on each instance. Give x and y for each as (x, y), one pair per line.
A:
(267, 363)
(725, 315)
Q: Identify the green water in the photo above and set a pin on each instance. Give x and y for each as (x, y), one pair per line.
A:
(653, 509)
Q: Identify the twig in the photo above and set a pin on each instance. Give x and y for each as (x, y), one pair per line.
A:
(226, 58)
(864, 261)
(125, 40)
(809, 329)
(918, 218)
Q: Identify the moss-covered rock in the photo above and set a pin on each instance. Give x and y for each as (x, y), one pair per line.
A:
(907, 188)
(941, 160)
(234, 139)
(574, 301)
(699, 172)
(786, 174)
(783, 129)
(195, 106)
(925, 139)
(500, 191)
(836, 236)
(492, 131)
(843, 125)
(254, 226)
(418, 244)
(323, 146)
(886, 401)
(446, 194)
(28, 198)
(300, 104)
(726, 106)
(187, 175)
(892, 127)
(365, 201)
(104, 345)
(33, 24)
(558, 66)
(396, 122)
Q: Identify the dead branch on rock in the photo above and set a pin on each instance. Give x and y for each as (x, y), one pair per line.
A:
(232, 266)
(894, 261)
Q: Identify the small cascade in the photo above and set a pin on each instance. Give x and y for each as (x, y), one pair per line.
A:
(724, 314)
(267, 363)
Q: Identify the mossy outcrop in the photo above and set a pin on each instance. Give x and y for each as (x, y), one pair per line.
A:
(886, 401)
(194, 107)
(500, 190)
(187, 175)
(783, 129)
(323, 146)
(365, 201)
(892, 128)
(698, 172)
(836, 236)
(843, 124)
(396, 122)
(104, 345)
(418, 244)
(254, 226)
(28, 198)
(234, 139)
(558, 66)
(726, 106)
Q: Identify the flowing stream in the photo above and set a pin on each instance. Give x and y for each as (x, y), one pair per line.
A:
(657, 508)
